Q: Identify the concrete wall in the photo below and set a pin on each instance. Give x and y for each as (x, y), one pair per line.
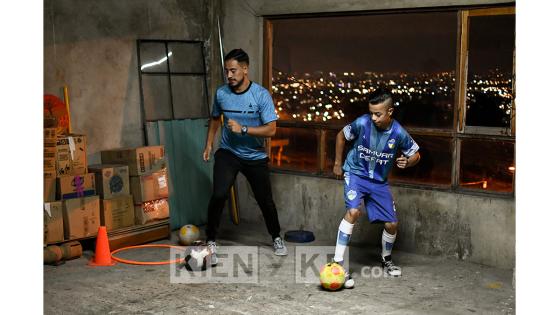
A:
(91, 47)
(473, 228)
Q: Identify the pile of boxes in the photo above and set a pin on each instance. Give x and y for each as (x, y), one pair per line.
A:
(129, 188)
(71, 205)
(148, 180)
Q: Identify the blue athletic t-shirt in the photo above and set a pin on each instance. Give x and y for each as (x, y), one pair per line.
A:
(374, 151)
(252, 107)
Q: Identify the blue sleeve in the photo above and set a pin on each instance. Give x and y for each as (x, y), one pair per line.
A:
(266, 107)
(216, 110)
(352, 130)
(407, 145)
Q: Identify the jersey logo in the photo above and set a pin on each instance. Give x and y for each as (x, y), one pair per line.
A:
(351, 194)
(391, 143)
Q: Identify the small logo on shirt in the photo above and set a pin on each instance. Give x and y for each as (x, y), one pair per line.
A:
(351, 194)
(391, 143)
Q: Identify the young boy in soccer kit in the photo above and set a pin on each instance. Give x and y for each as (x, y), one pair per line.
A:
(378, 141)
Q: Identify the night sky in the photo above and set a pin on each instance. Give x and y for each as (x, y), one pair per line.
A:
(415, 42)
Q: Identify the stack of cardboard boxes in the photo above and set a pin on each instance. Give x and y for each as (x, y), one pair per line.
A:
(148, 180)
(117, 208)
(52, 210)
(71, 208)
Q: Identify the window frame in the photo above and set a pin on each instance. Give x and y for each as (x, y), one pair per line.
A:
(459, 130)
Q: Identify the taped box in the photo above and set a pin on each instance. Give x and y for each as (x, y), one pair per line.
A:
(71, 157)
(117, 212)
(151, 211)
(81, 217)
(140, 161)
(111, 180)
(149, 187)
(53, 223)
(49, 189)
(75, 186)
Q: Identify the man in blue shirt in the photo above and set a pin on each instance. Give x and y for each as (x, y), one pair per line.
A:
(249, 117)
(378, 141)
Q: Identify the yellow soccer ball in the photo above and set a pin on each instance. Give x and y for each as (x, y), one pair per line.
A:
(332, 276)
(188, 234)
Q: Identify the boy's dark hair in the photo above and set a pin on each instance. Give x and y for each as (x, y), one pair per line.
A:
(380, 95)
(237, 54)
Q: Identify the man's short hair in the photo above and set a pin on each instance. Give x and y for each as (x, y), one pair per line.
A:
(380, 95)
(237, 54)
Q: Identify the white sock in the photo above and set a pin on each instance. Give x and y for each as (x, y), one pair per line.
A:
(387, 241)
(342, 240)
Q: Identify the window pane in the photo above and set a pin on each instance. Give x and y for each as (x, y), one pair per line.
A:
(490, 66)
(153, 57)
(189, 97)
(487, 165)
(295, 149)
(186, 57)
(434, 166)
(323, 68)
(157, 102)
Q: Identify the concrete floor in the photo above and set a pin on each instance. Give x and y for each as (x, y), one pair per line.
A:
(428, 286)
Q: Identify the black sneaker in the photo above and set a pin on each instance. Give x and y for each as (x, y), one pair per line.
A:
(389, 267)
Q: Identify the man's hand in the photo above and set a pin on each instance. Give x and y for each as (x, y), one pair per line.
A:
(234, 126)
(206, 154)
(337, 170)
(402, 162)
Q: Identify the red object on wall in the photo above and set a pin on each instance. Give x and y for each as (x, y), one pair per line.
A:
(55, 114)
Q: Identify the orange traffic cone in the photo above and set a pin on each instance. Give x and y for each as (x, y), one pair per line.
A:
(102, 252)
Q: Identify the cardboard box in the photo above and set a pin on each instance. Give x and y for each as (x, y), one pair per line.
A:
(49, 174)
(53, 222)
(71, 157)
(49, 159)
(140, 161)
(81, 217)
(49, 137)
(111, 180)
(149, 187)
(151, 211)
(118, 212)
(75, 186)
(49, 189)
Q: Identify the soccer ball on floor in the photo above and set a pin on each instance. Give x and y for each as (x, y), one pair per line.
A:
(332, 276)
(188, 234)
(197, 257)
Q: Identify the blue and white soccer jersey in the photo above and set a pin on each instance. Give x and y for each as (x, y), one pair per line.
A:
(369, 162)
(253, 107)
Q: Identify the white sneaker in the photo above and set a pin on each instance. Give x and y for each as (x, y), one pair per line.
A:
(348, 282)
(213, 256)
(389, 267)
(279, 247)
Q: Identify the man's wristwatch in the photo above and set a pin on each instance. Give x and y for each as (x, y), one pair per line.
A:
(244, 130)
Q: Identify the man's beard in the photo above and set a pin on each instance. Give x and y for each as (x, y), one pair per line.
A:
(234, 86)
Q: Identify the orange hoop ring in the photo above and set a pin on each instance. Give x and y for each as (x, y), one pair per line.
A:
(150, 263)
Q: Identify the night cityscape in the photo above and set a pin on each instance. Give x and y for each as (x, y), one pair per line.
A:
(329, 97)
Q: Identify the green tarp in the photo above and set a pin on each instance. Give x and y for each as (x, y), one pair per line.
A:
(190, 177)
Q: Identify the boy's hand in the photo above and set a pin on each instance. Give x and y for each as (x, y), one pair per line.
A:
(337, 170)
(402, 162)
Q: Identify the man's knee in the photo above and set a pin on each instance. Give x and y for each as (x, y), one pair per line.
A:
(220, 194)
